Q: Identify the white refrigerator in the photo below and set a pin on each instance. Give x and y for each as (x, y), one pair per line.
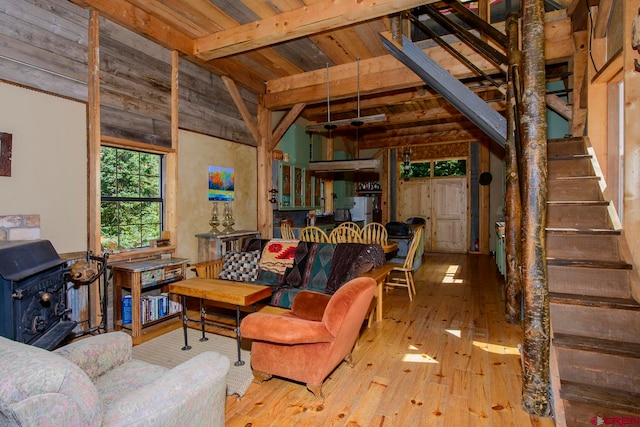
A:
(362, 209)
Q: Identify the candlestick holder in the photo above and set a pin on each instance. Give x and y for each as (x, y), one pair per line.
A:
(214, 222)
(227, 219)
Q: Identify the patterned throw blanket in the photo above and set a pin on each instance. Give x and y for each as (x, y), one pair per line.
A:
(278, 254)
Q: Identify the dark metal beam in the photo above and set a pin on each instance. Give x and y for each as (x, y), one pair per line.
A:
(475, 42)
(478, 23)
(468, 103)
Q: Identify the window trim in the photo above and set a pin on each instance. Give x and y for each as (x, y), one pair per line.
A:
(170, 197)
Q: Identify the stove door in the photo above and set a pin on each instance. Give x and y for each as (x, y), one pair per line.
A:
(39, 304)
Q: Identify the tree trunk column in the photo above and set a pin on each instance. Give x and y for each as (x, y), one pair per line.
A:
(536, 382)
(513, 216)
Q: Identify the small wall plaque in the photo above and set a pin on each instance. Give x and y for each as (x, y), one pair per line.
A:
(5, 153)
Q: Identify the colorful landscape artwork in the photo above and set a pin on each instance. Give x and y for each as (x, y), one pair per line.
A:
(221, 183)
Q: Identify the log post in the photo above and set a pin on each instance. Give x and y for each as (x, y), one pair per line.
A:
(513, 217)
(265, 212)
(535, 380)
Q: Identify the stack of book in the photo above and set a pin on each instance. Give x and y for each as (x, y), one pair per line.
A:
(152, 307)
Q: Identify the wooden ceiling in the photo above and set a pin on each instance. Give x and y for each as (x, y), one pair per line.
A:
(285, 49)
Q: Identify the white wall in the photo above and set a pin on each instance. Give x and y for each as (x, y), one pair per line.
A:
(196, 152)
(49, 164)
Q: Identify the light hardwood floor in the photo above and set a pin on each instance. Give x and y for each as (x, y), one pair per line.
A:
(446, 359)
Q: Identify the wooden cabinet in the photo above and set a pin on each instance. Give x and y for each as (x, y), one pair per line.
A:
(148, 278)
(214, 246)
(298, 189)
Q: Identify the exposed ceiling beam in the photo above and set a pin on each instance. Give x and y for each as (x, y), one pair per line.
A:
(139, 21)
(285, 123)
(249, 120)
(385, 73)
(308, 20)
(378, 75)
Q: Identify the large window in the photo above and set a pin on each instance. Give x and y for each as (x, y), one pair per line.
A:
(131, 198)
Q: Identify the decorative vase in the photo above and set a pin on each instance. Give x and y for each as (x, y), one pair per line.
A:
(214, 222)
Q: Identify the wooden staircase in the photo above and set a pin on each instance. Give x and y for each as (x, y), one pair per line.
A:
(595, 321)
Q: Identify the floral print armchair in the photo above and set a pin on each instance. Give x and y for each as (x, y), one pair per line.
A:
(95, 382)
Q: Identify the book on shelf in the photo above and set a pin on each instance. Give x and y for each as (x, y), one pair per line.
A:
(126, 310)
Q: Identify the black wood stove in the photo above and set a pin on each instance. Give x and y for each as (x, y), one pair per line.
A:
(33, 303)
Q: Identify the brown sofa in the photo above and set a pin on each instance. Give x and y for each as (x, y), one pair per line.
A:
(308, 342)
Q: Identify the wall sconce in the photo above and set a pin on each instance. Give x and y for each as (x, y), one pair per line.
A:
(273, 199)
(406, 162)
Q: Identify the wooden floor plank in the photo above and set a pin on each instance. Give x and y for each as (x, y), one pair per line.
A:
(447, 358)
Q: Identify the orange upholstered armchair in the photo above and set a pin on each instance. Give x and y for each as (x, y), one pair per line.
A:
(306, 343)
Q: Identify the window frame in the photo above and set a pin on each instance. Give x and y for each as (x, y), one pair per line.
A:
(168, 187)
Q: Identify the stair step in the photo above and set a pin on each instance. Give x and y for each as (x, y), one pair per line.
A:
(594, 301)
(582, 231)
(575, 188)
(578, 214)
(602, 397)
(603, 247)
(586, 263)
(616, 348)
(566, 146)
(557, 157)
(570, 166)
(578, 203)
(598, 368)
(615, 319)
(605, 282)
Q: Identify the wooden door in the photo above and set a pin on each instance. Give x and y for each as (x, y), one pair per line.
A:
(449, 214)
(415, 201)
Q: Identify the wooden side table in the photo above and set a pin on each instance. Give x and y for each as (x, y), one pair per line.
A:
(139, 277)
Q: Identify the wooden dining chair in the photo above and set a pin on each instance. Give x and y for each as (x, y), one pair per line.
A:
(344, 235)
(405, 279)
(374, 232)
(350, 224)
(312, 233)
(286, 232)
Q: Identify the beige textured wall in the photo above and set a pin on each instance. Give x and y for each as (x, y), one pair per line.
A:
(196, 153)
(49, 164)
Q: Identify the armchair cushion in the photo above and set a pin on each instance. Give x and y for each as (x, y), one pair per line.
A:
(284, 329)
(39, 387)
(310, 305)
(98, 355)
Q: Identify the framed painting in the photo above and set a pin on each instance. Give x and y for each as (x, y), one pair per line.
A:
(221, 183)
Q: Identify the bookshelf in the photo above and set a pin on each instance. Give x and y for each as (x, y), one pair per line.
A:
(146, 282)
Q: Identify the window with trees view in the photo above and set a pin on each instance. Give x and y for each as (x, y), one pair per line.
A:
(441, 168)
(131, 197)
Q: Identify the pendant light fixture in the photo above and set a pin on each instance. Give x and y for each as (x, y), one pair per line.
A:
(329, 126)
(357, 122)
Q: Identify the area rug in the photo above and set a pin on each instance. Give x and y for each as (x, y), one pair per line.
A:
(166, 350)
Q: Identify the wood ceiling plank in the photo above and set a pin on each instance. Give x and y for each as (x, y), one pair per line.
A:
(369, 31)
(168, 13)
(322, 16)
(331, 48)
(202, 13)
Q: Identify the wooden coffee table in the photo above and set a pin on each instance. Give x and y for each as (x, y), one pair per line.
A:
(239, 294)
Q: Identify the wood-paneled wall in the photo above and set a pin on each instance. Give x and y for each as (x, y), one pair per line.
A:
(43, 45)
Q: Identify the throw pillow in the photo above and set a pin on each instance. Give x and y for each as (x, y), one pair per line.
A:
(240, 266)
